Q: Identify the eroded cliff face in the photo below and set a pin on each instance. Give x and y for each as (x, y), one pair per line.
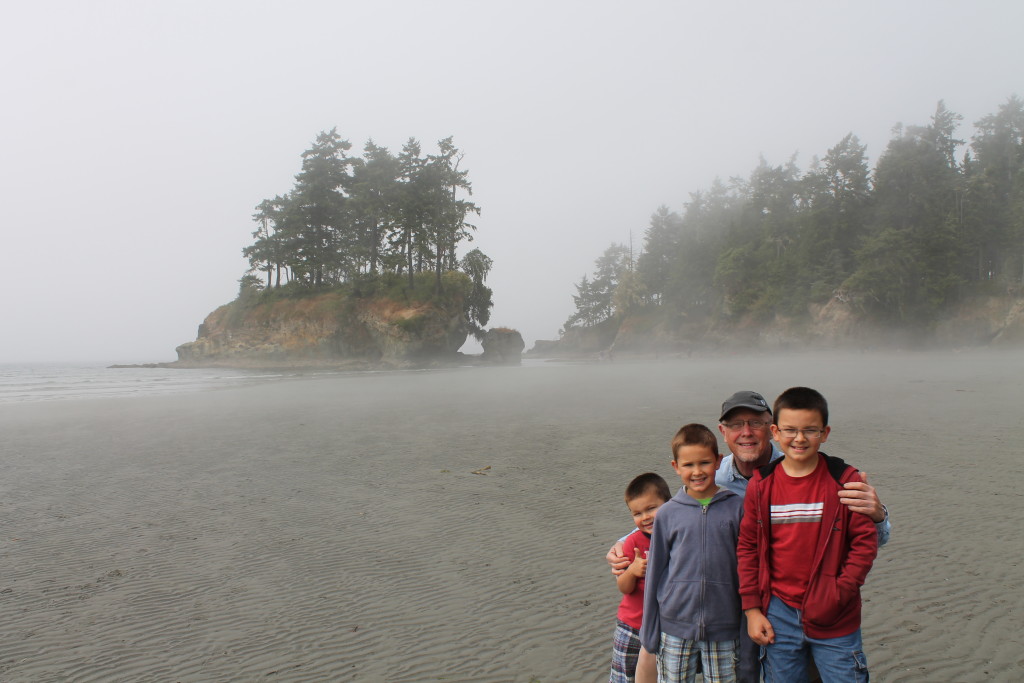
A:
(983, 321)
(327, 328)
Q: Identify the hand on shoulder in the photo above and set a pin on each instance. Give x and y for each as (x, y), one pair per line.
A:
(861, 497)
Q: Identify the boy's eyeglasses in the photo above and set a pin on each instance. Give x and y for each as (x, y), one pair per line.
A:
(809, 433)
(737, 425)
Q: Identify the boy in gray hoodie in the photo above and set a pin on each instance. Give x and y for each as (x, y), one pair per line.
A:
(691, 603)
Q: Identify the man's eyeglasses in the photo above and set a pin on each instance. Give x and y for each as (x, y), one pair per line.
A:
(737, 425)
(809, 433)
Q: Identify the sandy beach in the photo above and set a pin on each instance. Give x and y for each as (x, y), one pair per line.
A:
(451, 525)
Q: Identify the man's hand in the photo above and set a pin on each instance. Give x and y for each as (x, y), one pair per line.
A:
(862, 498)
(759, 628)
(619, 562)
(638, 567)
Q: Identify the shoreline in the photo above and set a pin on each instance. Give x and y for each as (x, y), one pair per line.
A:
(299, 363)
(607, 356)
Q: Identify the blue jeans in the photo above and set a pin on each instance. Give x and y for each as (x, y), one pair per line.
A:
(837, 659)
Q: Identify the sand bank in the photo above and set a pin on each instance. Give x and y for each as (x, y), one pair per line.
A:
(334, 529)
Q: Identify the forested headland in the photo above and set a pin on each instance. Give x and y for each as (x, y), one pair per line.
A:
(937, 224)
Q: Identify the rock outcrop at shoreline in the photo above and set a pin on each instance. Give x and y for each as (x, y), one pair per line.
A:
(331, 329)
(502, 345)
(325, 329)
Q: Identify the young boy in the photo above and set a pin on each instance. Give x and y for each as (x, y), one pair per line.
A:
(644, 495)
(691, 607)
(802, 555)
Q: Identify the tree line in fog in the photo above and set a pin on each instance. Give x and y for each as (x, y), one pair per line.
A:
(937, 220)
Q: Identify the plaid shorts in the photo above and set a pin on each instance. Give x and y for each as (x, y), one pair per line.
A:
(678, 657)
(625, 650)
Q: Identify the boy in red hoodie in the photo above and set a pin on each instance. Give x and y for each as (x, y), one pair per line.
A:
(802, 556)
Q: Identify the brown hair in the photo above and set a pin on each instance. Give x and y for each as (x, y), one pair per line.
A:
(801, 398)
(646, 482)
(694, 434)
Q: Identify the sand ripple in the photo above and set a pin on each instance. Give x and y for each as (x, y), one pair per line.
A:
(334, 529)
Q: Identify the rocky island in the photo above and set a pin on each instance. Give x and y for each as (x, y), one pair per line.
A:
(356, 267)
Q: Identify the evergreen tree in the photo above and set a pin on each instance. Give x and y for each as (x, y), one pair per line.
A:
(836, 206)
(709, 218)
(320, 239)
(410, 238)
(992, 206)
(375, 204)
(594, 297)
(588, 311)
(447, 225)
(940, 133)
(661, 242)
(908, 263)
(267, 253)
(478, 303)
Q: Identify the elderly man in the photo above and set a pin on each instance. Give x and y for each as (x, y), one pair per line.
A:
(745, 425)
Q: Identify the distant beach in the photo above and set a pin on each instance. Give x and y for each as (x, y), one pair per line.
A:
(452, 524)
(33, 382)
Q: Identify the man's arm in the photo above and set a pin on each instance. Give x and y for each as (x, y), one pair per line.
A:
(617, 558)
(628, 579)
(861, 497)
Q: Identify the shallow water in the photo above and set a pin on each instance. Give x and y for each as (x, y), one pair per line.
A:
(30, 382)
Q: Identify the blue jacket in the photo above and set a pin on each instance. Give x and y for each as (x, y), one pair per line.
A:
(692, 590)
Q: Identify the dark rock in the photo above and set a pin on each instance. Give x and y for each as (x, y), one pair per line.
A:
(503, 345)
(326, 328)
(545, 347)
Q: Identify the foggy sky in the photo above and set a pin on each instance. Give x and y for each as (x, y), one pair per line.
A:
(136, 138)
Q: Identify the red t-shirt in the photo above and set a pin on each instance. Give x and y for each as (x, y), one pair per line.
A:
(631, 609)
(796, 508)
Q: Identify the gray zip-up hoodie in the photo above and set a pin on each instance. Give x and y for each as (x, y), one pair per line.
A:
(692, 590)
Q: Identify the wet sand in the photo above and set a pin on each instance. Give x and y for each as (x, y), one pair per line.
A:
(451, 525)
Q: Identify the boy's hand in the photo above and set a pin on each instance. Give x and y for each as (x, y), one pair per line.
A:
(638, 567)
(619, 562)
(759, 628)
(862, 498)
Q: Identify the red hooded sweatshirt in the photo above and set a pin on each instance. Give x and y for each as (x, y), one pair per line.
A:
(846, 547)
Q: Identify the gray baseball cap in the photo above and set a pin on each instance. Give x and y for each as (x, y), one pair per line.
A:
(751, 400)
